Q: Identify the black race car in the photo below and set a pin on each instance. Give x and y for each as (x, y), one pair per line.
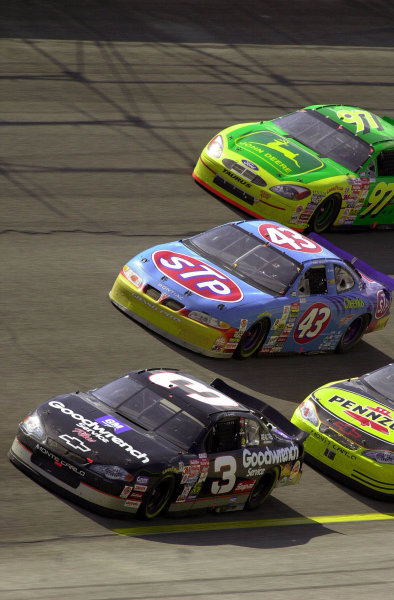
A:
(159, 440)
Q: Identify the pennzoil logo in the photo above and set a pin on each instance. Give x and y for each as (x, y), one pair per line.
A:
(377, 418)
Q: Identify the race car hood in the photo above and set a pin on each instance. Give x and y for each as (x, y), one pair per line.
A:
(371, 421)
(75, 424)
(281, 155)
(204, 293)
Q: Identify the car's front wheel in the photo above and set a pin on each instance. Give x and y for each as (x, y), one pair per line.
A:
(353, 334)
(252, 339)
(325, 214)
(157, 499)
(261, 490)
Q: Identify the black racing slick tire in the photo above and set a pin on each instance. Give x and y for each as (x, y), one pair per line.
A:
(157, 499)
(353, 334)
(325, 214)
(252, 339)
(261, 490)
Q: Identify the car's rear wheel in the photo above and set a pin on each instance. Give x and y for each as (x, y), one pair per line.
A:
(353, 334)
(157, 499)
(252, 339)
(261, 490)
(325, 214)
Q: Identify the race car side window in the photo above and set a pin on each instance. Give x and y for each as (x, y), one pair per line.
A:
(254, 432)
(224, 436)
(313, 281)
(385, 163)
(344, 280)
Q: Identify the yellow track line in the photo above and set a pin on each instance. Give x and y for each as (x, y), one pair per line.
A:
(189, 527)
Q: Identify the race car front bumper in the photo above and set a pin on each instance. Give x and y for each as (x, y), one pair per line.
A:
(77, 491)
(171, 324)
(346, 465)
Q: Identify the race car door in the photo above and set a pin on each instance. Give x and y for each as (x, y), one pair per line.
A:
(315, 309)
(378, 207)
(223, 446)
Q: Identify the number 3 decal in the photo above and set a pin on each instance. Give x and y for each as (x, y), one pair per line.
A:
(227, 465)
(312, 323)
(200, 391)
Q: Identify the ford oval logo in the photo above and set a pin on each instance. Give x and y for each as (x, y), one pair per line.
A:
(250, 165)
(195, 275)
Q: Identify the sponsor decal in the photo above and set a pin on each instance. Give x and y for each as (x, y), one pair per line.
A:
(83, 435)
(288, 239)
(136, 496)
(295, 470)
(110, 421)
(268, 457)
(312, 323)
(382, 304)
(279, 152)
(243, 487)
(377, 418)
(133, 503)
(125, 493)
(59, 461)
(96, 430)
(142, 480)
(74, 442)
(197, 276)
(353, 303)
(182, 497)
(140, 488)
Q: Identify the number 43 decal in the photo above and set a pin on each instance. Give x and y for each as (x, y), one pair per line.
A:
(312, 323)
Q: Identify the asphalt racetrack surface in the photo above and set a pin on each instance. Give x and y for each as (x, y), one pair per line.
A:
(104, 108)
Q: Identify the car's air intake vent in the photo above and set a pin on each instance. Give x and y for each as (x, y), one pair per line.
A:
(235, 191)
(244, 171)
(172, 304)
(152, 292)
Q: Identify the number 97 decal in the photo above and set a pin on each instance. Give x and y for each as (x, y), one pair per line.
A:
(312, 323)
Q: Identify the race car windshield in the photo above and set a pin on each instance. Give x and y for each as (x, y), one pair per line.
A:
(246, 256)
(150, 410)
(162, 415)
(116, 392)
(382, 381)
(325, 137)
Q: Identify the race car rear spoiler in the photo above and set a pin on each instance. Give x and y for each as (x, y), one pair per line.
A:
(360, 265)
(270, 413)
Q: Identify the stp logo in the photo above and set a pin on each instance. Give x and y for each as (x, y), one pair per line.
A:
(287, 238)
(195, 275)
(382, 305)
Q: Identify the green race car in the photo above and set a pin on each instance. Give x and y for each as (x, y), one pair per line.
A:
(320, 166)
(351, 427)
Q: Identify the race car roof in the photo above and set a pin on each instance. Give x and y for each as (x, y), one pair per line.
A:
(152, 396)
(367, 125)
(290, 242)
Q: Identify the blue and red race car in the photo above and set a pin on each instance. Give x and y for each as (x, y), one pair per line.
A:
(253, 287)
